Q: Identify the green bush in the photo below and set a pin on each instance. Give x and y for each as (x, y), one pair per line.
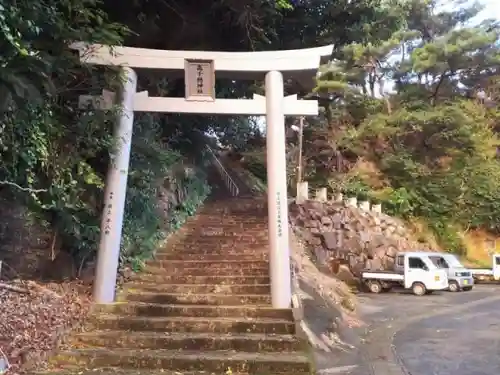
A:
(150, 162)
(441, 166)
(63, 189)
(257, 167)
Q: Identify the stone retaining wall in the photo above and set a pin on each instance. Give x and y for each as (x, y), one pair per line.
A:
(348, 237)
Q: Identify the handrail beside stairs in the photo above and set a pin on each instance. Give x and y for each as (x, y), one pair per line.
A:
(228, 181)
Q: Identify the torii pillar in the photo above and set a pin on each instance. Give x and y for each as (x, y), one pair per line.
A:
(277, 194)
(200, 68)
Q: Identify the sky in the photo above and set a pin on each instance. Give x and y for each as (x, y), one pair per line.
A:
(492, 9)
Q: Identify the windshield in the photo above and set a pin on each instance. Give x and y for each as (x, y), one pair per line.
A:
(438, 261)
(453, 261)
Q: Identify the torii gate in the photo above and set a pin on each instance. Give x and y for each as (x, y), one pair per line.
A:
(200, 68)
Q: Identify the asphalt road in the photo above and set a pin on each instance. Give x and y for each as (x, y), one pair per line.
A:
(463, 344)
(440, 334)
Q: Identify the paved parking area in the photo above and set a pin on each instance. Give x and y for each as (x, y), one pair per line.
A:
(440, 334)
(464, 344)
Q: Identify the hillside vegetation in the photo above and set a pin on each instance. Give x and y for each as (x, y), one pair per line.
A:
(410, 119)
(54, 156)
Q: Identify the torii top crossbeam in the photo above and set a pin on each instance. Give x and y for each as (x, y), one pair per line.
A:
(235, 65)
(300, 64)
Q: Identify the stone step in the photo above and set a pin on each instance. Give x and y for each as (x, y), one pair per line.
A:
(231, 215)
(225, 234)
(215, 265)
(228, 217)
(197, 299)
(218, 220)
(220, 230)
(227, 222)
(184, 271)
(217, 248)
(227, 243)
(235, 209)
(207, 311)
(213, 256)
(192, 324)
(199, 288)
(224, 231)
(121, 371)
(256, 342)
(218, 362)
(203, 279)
(221, 233)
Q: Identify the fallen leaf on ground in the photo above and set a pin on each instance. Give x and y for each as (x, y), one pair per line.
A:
(33, 322)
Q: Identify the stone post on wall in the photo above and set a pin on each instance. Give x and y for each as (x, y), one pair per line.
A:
(302, 192)
(353, 202)
(321, 195)
(364, 205)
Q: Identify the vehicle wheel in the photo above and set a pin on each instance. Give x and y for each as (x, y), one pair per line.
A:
(467, 288)
(419, 289)
(375, 287)
(453, 286)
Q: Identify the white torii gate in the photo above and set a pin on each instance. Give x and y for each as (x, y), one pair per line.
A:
(200, 68)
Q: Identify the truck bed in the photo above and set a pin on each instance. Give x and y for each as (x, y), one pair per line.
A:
(382, 275)
(481, 271)
(383, 271)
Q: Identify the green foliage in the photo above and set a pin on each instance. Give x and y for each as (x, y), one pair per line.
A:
(432, 142)
(144, 228)
(397, 202)
(57, 186)
(283, 4)
(197, 190)
(34, 35)
(447, 235)
(256, 164)
(433, 139)
(150, 162)
(54, 157)
(442, 166)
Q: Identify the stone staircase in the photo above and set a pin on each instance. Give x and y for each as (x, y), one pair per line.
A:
(202, 306)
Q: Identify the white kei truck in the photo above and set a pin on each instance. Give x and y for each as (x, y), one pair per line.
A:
(459, 277)
(492, 273)
(416, 272)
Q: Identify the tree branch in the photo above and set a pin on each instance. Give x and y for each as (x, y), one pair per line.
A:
(438, 86)
(30, 190)
(13, 288)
